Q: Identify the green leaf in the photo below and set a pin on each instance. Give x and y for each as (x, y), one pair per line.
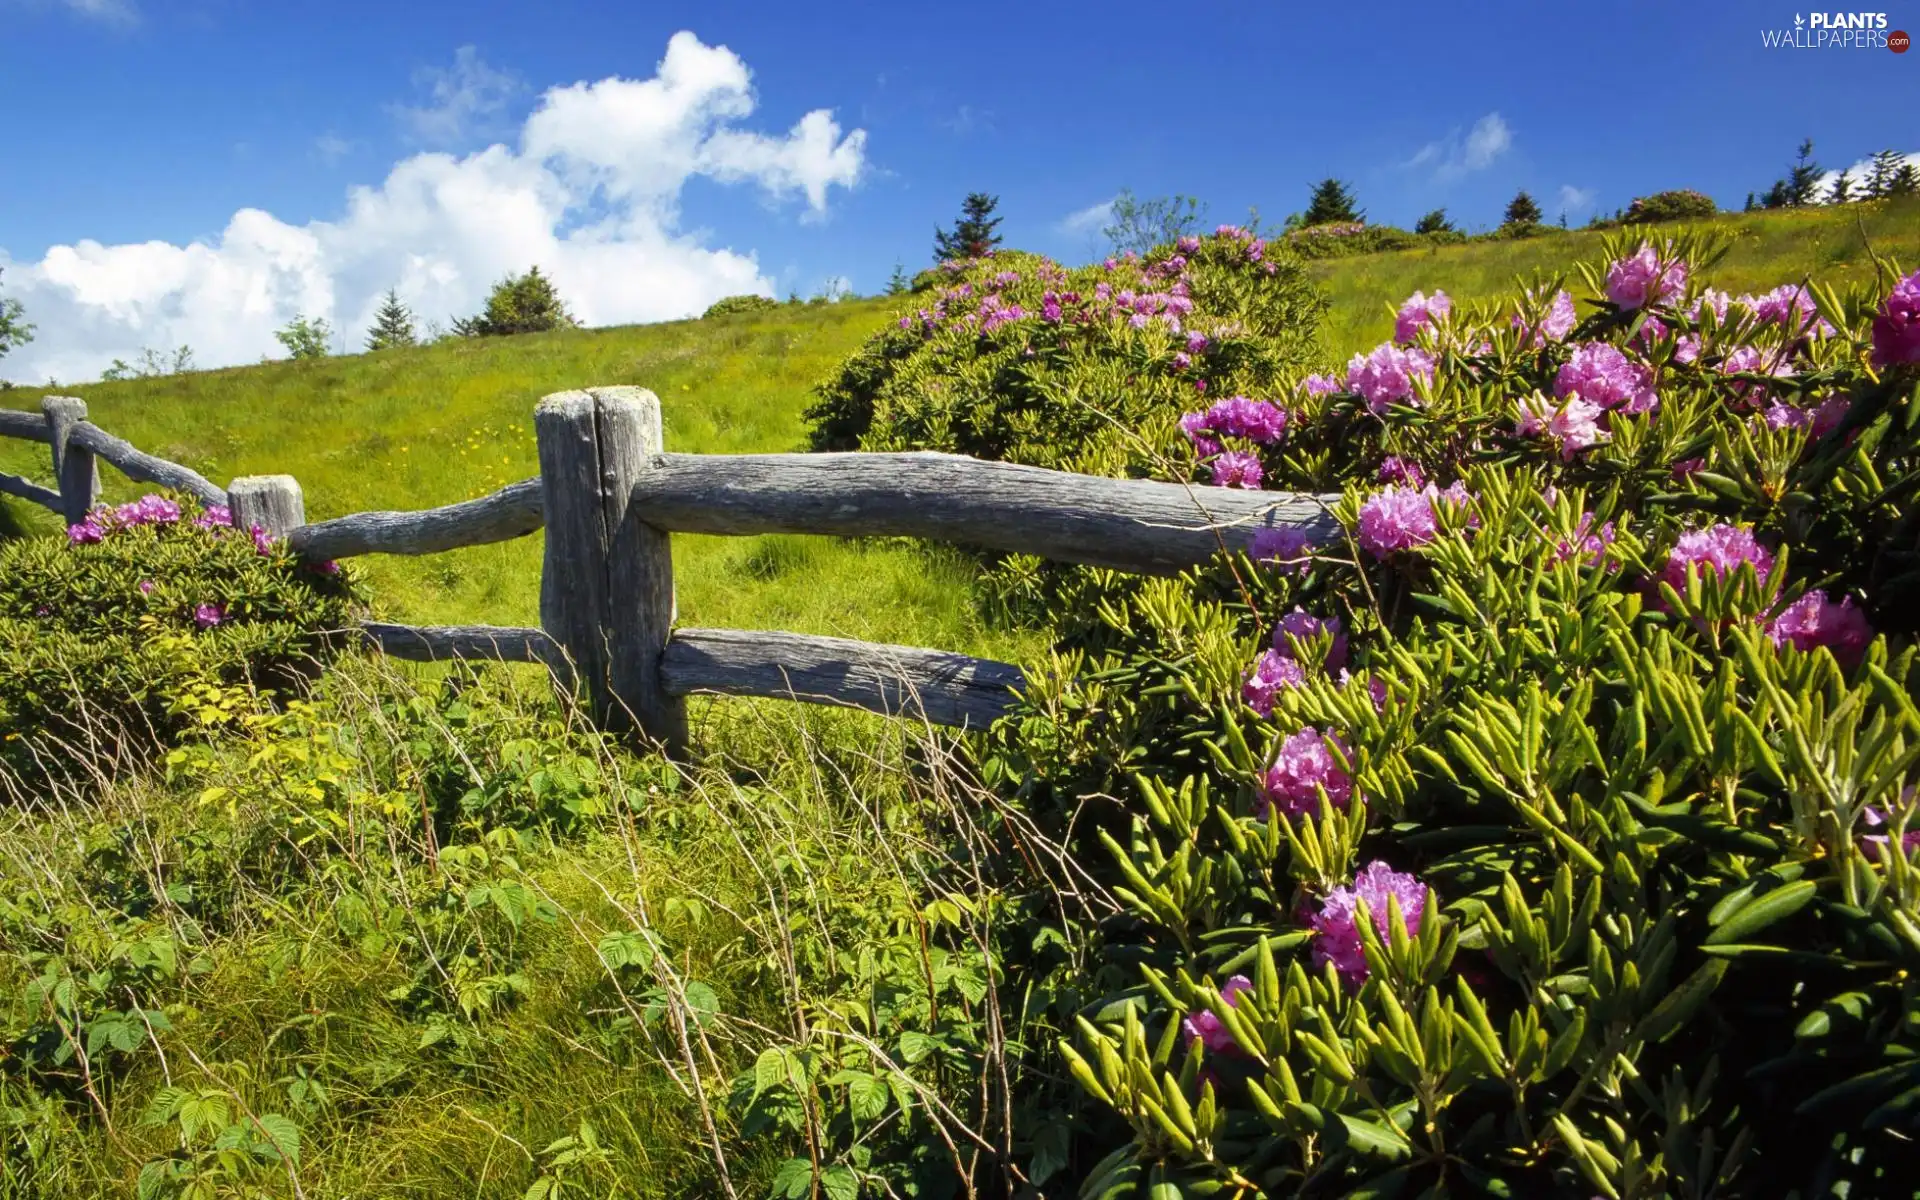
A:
(840, 1183)
(1756, 915)
(794, 1179)
(280, 1140)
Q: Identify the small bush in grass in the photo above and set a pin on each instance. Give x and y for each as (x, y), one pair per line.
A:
(104, 633)
(1680, 204)
(728, 305)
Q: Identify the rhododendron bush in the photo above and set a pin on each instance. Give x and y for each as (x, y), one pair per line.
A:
(1554, 831)
(104, 634)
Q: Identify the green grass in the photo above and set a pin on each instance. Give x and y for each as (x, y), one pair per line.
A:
(417, 428)
(1769, 248)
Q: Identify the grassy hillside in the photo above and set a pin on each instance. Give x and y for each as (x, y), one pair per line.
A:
(1769, 248)
(416, 428)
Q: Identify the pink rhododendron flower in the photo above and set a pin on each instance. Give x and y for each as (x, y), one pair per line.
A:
(1588, 543)
(1188, 245)
(1272, 671)
(1301, 767)
(147, 510)
(1197, 342)
(1711, 298)
(206, 616)
(1874, 818)
(1206, 1026)
(1255, 420)
(1813, 620)
(1386, 376)
(146, 587)
(1289, 547)
(87, 532)
(262, 540)
(1394, 469)
(1717, 550)
(1751, 360)
(1791, 306)
(1896, 327)
(1338, 934)
(1194, 425)
(1400, 518)
(1419, 310)
(1642, 280)
(1301, 628)
(1574, 423)
(1555, 324)
(1828, 414)
(1236, 468)
(215, 516)
(1319, 385)
(1687, 468)
(1603, 375)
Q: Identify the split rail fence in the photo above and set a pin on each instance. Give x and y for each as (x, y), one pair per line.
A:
(610, 496)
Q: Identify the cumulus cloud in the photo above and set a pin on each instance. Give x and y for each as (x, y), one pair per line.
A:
(331, 147)
(459, 100)
(1458, 153)
(590, 193)
(1091, 219)
(1576, 200)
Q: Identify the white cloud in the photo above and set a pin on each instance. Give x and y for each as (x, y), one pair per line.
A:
(1091, 219)
(331, 147)
(590, 194)
(1858, 173)
(969, 120)
(109, 12)
(1574, 200)
(1455, 155)
(460, 99)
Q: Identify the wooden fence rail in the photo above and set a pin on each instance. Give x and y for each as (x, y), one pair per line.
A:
(610, 497)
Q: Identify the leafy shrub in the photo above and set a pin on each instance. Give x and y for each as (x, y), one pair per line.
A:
(1681, 204)
(104, 636)
(303, 337)
(1017, 358)
(1339, 239)
(518, 304)
(1550, 835)
(727, 305)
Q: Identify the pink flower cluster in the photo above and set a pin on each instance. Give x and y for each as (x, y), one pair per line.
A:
(1336, 926)
(1394, 469)
(1790, 306)
(1751, 360)
(1643, 280)
(1303, 765)
(1555, 324)
(1601, 374)
(1206, 1026)
(1400, 518)
(1874, 818)
(1279, 667)
(1576, 423)
(1896, 327)
(1418, 311)
(1717, 550)
(1819, 421)
(147, 510)
(1255, 420)
(1319, 385)
(1291, 548)
(1237, 468)
(206, 616)
(1813, 621)
(215, 516)
(1588, 544)
(1386, 376)
(995, 312)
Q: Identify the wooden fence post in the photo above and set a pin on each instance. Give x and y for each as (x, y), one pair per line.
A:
(73, 465)
(273, 502)
(606, 585)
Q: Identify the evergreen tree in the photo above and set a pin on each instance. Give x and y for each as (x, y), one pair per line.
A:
(519, 304)
(1842, 190)
(1777, 196)
(1521, 210)
(972, 235)
(1332, 201)
(1880, 172)
(898, 283)
(1803, 181)
(392, 325)
(14, 330)
(1905, 181)
(1751, 205)
(1434, 222)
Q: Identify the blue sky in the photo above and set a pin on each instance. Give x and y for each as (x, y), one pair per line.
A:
(140, 128)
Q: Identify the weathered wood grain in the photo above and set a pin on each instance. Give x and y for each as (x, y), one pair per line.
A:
(273, 502)
(606, 587)
(27, 426)
(439, 643)
(1129, 524)
(513, 511)
(73, 465)
(138, 465)
(27, 489)
(948, 689)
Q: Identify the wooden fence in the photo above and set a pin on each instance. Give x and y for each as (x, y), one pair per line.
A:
(610, 496)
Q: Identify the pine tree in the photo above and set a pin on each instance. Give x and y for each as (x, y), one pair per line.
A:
(1803, 181)
(1880, 172)
(1434, 222)
(1521, 210)
(392, 325)
(1332, 201)
(1751, 204)
(898, 283)
(1842, 190)
(972, 235)
(1905, 181)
